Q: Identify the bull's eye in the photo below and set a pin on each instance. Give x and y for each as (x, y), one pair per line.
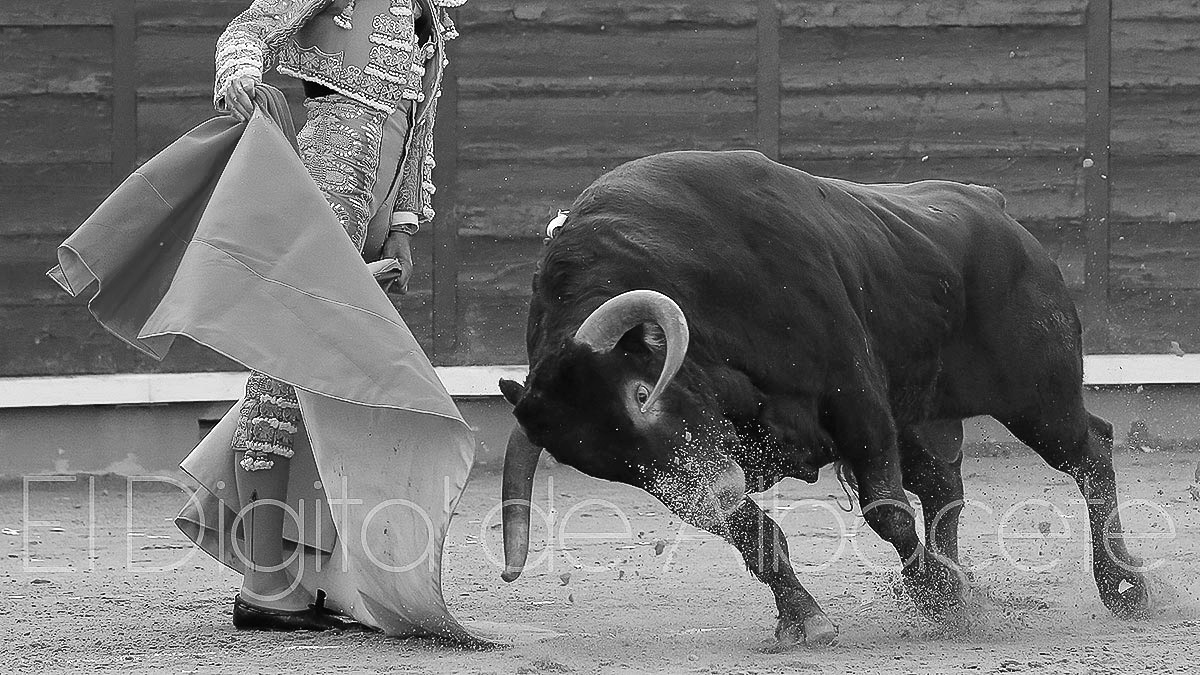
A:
(642, 394)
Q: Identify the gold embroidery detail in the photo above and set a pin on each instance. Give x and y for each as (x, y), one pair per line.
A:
(267, 422)
(340, 146)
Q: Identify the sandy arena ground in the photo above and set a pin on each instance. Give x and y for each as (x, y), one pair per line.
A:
(642, 600)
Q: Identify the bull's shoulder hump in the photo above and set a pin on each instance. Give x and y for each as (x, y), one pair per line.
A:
(695, 160)
(678, 178)
(980, 197)
(989, 193)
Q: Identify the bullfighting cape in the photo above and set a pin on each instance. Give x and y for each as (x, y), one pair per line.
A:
(224, 238)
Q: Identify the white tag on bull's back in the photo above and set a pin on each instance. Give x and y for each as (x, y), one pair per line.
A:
(556, 224)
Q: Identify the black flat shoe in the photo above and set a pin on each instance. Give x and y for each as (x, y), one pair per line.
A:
(315, 617)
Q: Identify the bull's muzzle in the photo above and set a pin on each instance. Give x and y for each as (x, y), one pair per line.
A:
(705, 498)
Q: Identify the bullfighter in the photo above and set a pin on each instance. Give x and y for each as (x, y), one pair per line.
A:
(371, 71)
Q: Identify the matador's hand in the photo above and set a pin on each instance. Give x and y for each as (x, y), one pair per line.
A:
(239, 97)
(398, 246)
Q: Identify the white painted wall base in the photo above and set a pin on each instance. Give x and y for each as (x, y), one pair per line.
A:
(145, 424)
(151, 388)
(1101, 370)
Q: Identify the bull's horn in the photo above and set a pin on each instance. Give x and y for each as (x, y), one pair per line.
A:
(605, 326)
(520, 463)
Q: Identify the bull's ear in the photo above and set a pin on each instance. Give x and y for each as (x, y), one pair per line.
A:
(512, 390)
(646, 337)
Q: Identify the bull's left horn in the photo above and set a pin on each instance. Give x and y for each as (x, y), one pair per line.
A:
(604, 327)
(520, 464)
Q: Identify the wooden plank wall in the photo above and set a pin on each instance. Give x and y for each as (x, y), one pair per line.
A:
(1155, 175)
(551, 94)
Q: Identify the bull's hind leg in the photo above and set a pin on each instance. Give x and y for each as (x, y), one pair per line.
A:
(931, 459)
(765, 550)
(1080, 445)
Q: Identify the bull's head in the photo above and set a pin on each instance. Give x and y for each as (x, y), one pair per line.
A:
(605, 404)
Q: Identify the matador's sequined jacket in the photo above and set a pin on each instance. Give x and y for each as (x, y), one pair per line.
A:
(372, 51)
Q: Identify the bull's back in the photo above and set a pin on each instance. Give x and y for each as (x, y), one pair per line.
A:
(806, 260)
(1018, 331)
(960, 228)
(747, 194)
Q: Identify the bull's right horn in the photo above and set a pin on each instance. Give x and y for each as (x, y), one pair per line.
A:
(604, 327)
(520, 464)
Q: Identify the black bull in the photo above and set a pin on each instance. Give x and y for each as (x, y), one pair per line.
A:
(822, 321)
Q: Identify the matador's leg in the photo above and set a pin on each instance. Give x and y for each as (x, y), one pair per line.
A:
(352, 153)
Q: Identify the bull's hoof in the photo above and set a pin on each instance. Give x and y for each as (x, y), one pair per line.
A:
(813, 631)
(937, 587)
(819, 631)
(1124, 593)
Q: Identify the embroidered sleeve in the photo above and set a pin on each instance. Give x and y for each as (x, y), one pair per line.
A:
(416, 177)
(249, 45)
(449, 31)
(416, 184)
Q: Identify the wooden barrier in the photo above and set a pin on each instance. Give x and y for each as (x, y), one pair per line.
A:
(543, 97)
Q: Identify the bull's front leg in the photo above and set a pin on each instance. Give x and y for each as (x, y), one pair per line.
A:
(710, 494)
(764, 548)
(866, 438)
